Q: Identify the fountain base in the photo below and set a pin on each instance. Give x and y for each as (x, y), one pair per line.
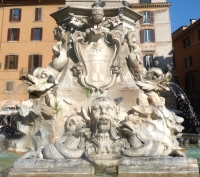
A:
(177, 166)
(129, 166)
(77, 171)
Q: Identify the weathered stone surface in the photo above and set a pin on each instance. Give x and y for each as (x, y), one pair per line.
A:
(158, 165)
(76, 171)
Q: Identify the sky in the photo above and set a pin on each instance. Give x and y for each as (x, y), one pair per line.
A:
(181, 11)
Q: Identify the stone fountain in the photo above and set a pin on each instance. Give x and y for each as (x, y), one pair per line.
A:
(96, 105)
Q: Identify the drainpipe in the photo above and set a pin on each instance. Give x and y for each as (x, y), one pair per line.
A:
(1, 29)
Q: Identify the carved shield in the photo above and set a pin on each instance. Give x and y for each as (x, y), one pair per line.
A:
(98, 56)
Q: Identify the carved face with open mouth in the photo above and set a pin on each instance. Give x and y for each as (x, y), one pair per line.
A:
(103, 125)
(103, 112)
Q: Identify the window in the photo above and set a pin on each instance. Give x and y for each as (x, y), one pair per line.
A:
(34, 62)
(189, 82)
(9, 86)
(148, 61)
(199, 34)
(11, 62)
(145, 1)
(15, 15)
(147, 35)
(188, 62)
(38, 14)
(36, 34)
(146, 17)
(186, 42)
(13, 34)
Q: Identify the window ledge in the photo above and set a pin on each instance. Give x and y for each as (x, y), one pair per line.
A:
(15, 21)
(147, 24)
(5, 91)
(10, 70)
(36, 40)
(148, 42)
(37, 21)
(12, 41)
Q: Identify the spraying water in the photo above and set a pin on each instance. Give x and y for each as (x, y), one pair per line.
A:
(7, 129)
(185, 106)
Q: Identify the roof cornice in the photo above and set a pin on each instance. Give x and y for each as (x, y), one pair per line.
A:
(186, 30)
(7, 3)
(151, 5)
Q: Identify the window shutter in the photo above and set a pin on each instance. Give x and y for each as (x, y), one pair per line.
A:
(142, 36)
(152, 17)
(30, 64)
(9, 34)
(39, 14)
(153, 35)
(40, 61)
(184, 44)
(41, 34)
(144, 61)
(9, 86)
(141, 20)
(36, 14)
(185, 62)
(11, 14)
(16, 62)
(20, 14)
(32, 34)
(6, 62)
(18, 32)
(190, 60)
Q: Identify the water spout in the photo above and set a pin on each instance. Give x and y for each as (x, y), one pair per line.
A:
(184, 105)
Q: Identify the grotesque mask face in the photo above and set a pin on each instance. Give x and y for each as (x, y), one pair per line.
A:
(103, 125)
(103, 109)
(103, 112)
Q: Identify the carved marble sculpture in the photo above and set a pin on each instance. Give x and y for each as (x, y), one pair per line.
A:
(88, 55)
(105, 142)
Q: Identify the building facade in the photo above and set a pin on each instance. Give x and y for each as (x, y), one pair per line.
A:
(26, 40)
(153, 33)
(186, 44)
(26, 37)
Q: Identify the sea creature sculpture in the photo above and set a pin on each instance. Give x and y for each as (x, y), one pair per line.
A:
(155, 80)
(134, 62)
(69, 146)
(145, 139)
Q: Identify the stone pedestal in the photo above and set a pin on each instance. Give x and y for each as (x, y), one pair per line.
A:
(75, 171)
(158, 166)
